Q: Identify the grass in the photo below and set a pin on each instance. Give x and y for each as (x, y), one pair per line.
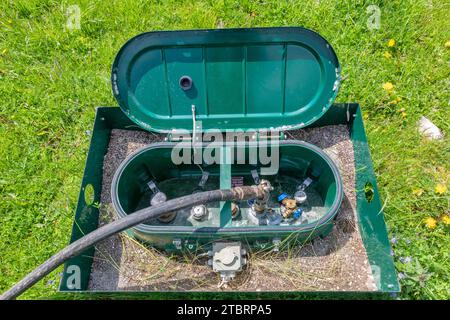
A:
(51, 80)
(146, 267)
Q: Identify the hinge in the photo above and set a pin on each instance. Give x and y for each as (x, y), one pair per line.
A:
(229, 136)
(175, 136)
(262, 135)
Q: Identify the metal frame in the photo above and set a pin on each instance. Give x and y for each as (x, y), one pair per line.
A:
(370, 215)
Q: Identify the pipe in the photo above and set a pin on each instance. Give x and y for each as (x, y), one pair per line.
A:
(237, 194)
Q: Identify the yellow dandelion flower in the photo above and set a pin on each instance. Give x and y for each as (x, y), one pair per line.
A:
(399, 99)
(446, 219)
(365, 116)
(387, 55)
(388, 86)
(447, 44)
(4, 51)
(404, 114)
(440, 188)
(430, 223)
(417, 192)
(391, 43)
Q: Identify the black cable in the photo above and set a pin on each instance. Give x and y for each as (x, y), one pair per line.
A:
(239, 193)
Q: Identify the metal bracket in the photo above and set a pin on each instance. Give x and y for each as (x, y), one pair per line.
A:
(177, 243)
(305, 184)
(204, 179)
(153, 187)
(194, 127)
(255, 176)
(263, 135)
(348, 114)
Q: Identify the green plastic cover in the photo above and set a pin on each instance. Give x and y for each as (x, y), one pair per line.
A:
(271, 78)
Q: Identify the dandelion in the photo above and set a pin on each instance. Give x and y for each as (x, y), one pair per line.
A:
(387, 55)
(447, 44)
(417, 192)
(391, 43)
(4, 51)
(388, 86)
(440, 188)
(393, 101)
(446, 219)
(430, 223)
(399, 99)
(403, 112)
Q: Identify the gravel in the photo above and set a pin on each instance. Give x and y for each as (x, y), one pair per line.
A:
(336, 263)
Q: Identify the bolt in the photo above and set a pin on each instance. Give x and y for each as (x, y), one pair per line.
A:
(199, 212)
(276, 244)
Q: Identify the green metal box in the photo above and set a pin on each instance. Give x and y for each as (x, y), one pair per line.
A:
(233, 77)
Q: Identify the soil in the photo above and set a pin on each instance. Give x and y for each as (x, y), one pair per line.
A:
(336, 263)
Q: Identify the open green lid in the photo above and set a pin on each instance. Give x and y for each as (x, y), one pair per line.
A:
(260, 78)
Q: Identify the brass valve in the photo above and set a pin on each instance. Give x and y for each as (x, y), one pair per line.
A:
(260, 205)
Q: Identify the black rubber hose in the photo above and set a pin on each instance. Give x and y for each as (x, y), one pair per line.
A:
(239, 193)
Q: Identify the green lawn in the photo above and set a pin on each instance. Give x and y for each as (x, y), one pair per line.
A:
(51, 80)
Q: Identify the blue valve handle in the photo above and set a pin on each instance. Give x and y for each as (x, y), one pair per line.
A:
(298, 213)
(282, 196)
